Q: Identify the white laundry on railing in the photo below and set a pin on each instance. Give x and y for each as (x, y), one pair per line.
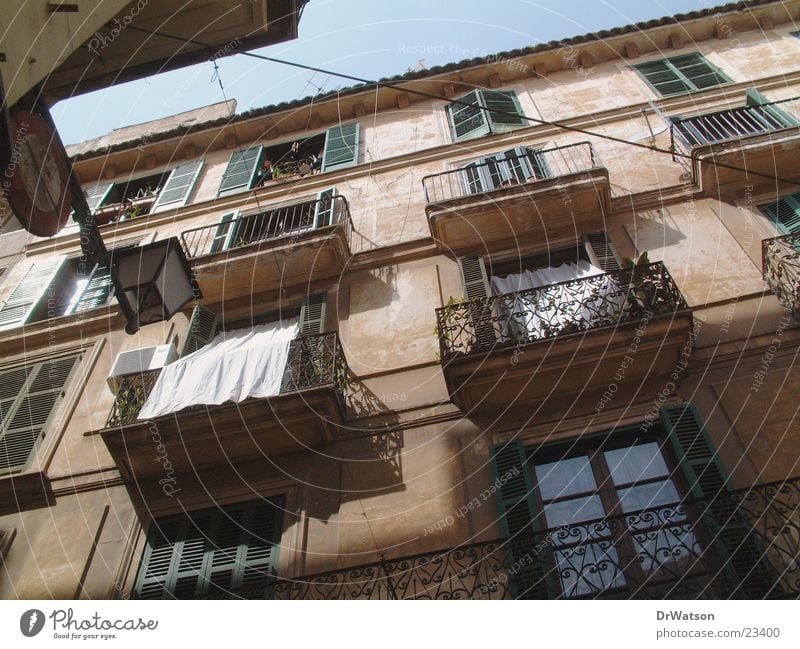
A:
(234, 366)
(555, 306)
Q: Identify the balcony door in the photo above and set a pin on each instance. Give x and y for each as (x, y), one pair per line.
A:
(512, 167)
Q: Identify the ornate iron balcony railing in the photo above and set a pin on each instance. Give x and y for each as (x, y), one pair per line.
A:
(525, 317)
(314, 362)
(267, 224)
(781, 267)
(732, 124)
(741, 544)
(496, 173)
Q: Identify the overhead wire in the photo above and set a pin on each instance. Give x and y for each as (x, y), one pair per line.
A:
(466, 104)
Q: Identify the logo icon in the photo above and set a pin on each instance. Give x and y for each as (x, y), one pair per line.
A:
(31, 622)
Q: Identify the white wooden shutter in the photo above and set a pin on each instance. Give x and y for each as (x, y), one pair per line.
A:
(179, 185)
(28, 396)
(601, 252)
(324, 208)
(18, 306)
(312, 314)
(96, 194)
(474, 278)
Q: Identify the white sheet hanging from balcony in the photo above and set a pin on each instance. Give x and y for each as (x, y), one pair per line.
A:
(234, 366)
(547, 312)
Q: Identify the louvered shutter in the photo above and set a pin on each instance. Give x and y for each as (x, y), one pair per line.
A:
(476, 289)
(739, 551)
(519, 519)
(785, 213)
(681, 74)
(28, 396)
(179, 185)
(473, 277)
(312, 314)
(6, 537)
(505, 101)
(770, 115)
(96, 194)
(26, 295)
(601, 252)
(468, 121)
(700, 73)
(201, 331)
(97, 291)
(241, 170)
(324, 208)
(341, 147)
(223, 233)
(213, 553)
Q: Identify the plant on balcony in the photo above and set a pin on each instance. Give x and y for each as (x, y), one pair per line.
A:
(636, 277)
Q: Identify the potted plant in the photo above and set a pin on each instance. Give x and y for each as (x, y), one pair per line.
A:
(637, 278)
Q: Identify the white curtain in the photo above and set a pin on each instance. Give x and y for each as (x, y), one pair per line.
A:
(549, 310)
(234, 366)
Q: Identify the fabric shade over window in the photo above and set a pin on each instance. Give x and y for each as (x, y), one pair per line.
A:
(236, 365)
(543, 310)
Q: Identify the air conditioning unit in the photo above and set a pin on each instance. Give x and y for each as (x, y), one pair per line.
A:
(137, 361)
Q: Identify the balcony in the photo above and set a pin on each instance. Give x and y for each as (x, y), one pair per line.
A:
(268, 249)
(542, 195)
(742, 544)
(781, 264)
(306, 413)
(763, 138)
(566, 338)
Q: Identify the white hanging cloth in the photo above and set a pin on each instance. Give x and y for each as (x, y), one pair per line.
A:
(547, 311)
(234, 366)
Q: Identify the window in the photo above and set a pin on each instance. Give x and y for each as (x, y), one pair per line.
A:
(679, 74)
(215, 553)
(512, 167)
(479, 119)
(141, 195)
(28, 396)
(613, 514)
(785, 213)
(57, 287)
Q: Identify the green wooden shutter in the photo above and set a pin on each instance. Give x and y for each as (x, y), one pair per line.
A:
(468, 121)
(519, 519)
(97, 291)
(312, 314)
(474, 278)
(743, 565)
(201, 331)
(96, 194)
(601, 251)
(179, 185)
(27, 293)
(241, 170)
(785, 213)
(324, 208)
(28, 396)
(505, 101)
(222, 235)
(213, 553)
(341, 147)
(680, 74)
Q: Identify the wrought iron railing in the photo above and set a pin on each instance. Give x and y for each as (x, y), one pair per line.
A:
(742, 544)
(509, 170)
(732, 124)
(524, 317)
(781, 267)
(314, 362)
(261, 225)
(132, 392)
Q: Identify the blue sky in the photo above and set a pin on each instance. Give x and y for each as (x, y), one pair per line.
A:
(369, 39)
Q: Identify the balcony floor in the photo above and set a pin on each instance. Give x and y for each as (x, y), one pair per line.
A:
(217, 436)
(571, 364)
(519, 215)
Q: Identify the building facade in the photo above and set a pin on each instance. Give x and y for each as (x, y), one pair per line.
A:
(429, 356)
